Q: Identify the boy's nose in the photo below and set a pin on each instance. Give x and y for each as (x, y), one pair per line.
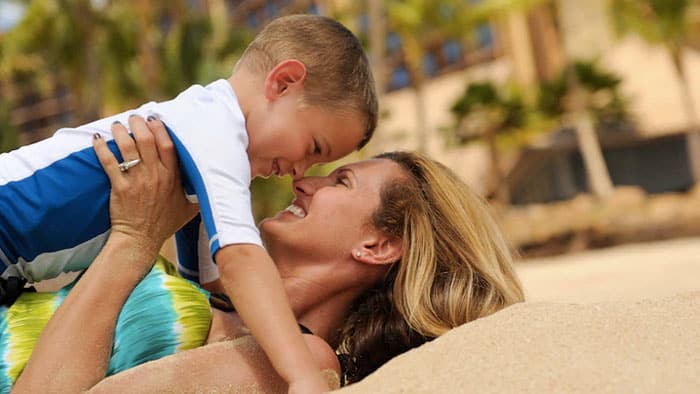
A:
(308, 185)
(298, 170)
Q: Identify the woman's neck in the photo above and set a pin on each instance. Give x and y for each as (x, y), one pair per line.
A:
(320, 309)
(315, 305)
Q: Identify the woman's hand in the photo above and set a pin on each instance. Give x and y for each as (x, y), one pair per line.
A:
(147, 202)
(147, 205)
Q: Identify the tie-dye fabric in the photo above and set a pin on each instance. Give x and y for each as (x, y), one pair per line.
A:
(164, 314)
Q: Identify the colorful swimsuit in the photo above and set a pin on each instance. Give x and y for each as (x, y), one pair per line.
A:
(164, 314)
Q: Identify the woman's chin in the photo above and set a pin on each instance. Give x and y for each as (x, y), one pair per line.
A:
(269, 224)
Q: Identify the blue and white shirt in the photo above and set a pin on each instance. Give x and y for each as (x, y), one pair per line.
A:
(54, 195)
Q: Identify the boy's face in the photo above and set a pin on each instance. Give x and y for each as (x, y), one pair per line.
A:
(287, 137)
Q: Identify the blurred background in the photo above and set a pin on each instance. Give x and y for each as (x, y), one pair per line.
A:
(578, 120)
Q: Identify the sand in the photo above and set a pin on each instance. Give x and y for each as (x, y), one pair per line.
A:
(614, 347)
(628, 272)
(620, 320)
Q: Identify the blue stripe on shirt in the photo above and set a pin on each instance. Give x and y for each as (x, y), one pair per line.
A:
(192, 181)
(57, 207)
(187, 249)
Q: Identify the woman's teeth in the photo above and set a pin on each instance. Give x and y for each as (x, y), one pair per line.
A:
(296, 211)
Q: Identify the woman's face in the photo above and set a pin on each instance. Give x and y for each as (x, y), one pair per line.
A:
(329, 215)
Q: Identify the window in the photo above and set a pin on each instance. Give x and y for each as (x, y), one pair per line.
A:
(251, 20)
(400, 77)
(430, 65)
(452, 51)
(270, 9)
(484, 36)
(393, 42)
(363, 23)
(314, 9)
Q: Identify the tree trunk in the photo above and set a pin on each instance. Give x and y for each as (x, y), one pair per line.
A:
(592, 154)
(87, 81)
(499, 187)
(589, 146)
(150, 67)
(414, 55)
(377, 37)
(693, 127)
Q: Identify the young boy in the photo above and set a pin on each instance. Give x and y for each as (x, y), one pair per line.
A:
(301, 94)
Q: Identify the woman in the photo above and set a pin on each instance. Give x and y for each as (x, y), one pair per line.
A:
(378, 257)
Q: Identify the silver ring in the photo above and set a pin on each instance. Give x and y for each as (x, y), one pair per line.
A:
(124, 166)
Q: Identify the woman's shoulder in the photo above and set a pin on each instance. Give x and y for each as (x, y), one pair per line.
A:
(324, 354)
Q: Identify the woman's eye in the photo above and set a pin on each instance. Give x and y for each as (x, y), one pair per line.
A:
(317, 148)
(341, 181)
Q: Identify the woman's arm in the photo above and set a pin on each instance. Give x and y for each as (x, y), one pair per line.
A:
(237, 365)
(147, 205)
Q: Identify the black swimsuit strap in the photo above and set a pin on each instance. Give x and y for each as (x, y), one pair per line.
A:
(10, 289)
(304, 329)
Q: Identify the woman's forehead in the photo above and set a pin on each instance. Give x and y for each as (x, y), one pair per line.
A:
(371, 166)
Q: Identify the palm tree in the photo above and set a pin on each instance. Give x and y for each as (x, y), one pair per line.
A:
(377, 34)
(120, 54)
(416, 22)
(483, 112)
(588, 99)
(579, 117)
(668, 23)
(62, 36)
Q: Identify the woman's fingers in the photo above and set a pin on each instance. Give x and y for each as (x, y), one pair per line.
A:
(106, 158)
(145, 140)
(166, 148)
(126, 144)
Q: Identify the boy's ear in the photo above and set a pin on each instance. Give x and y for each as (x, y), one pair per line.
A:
(378, 248)
(285, 76)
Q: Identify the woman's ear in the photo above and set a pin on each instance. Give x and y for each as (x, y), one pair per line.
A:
(286, 75)
(378, 248)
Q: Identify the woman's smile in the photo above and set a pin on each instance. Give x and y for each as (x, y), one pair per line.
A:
(296, 211)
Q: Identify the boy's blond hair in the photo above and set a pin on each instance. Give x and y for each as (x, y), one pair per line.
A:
(338, 75)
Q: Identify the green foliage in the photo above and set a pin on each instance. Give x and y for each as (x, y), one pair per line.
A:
(490, 109)
(601, 87)
(8, 133)
(665, 22)
(485, 108)
(270, 196)
(122, 54)
(485, 94)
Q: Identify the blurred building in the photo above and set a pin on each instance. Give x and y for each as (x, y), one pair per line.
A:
(533, 46)
(525, 47)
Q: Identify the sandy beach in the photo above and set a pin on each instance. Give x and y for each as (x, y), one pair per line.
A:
(624, 319)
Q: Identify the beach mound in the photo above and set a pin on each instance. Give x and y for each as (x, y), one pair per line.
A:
(612, 347)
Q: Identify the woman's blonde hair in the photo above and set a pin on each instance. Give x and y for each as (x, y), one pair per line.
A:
(456, 266)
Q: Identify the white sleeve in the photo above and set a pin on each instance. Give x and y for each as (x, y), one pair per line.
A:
(209, 134)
